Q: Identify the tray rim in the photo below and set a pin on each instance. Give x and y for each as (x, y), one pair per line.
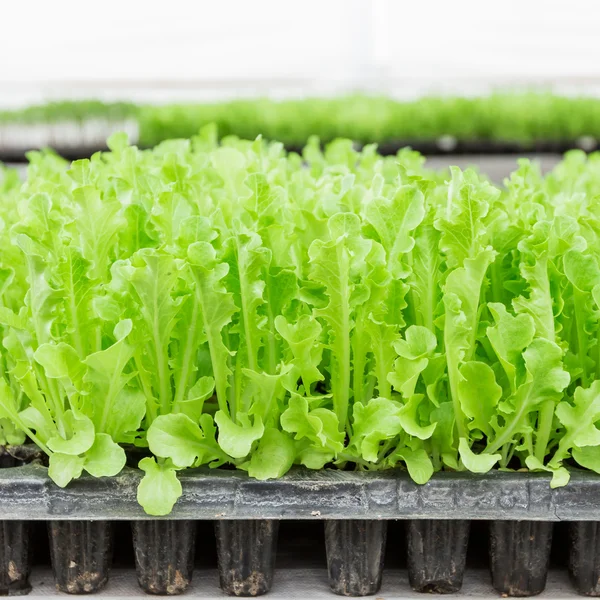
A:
(27, 493)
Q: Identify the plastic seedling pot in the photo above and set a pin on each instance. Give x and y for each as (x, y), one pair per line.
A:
(81, 555)
(437, 553)
(15, 564)
(164, 555)
(520, 556)
(15, 555)
(246, 551)
(355, 554)
(584, 557)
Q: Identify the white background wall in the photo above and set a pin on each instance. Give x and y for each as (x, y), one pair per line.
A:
(186, 49)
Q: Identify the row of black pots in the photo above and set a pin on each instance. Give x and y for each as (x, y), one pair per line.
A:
(81, 555)
(437, 552)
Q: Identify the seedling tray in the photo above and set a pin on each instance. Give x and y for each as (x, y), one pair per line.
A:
(74, 140)
(70, 139)
(27, 493)
(448, 145)
(355, 508)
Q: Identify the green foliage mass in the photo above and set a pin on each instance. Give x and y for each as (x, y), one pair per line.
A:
(503, 117)
(233, 304)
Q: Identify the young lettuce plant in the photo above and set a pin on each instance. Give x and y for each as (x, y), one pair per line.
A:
(11, 279)
(209, 335)
(525, 388)
(65, 377)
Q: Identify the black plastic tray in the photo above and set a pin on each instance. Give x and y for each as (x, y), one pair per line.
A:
(355, 508)
(27, 493)
(443, 146)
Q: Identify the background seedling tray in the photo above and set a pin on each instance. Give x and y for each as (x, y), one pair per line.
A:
(74, 140)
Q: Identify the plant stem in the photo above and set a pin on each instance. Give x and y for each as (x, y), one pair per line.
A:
(504, 459)
(359, 356)
(545, 418)
(186, 363)
(341, 347)
(507, 434)
(246, 315)
(355, 459)
(151, 413)
(582, 347)
(496, 279)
